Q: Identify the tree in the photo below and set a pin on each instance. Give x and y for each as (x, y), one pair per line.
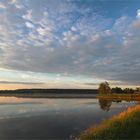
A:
(128, 90)
(117, 90)
(104, 88)
(137, 90)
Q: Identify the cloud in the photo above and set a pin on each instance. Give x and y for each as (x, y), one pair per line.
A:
(72, 40)
(2, 6)
(28, 15)
(138, 13)
(13, 1)
(29, 25)
(92, 84)
(20, 83)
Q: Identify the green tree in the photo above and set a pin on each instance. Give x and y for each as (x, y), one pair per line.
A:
(104, 88)
(128, 90)
(117, 90)
(137, 90)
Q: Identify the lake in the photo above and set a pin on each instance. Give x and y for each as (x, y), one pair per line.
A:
(46, 118)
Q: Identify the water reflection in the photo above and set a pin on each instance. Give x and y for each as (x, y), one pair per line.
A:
(43, 118)
(105, 104)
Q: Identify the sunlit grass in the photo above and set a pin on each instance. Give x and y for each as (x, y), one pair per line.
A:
(125, 125)
(128, 97)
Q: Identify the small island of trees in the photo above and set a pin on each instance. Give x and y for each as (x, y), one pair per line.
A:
(104, 88)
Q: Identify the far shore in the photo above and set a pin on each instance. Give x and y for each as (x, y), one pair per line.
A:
(50, 93)
(24, 95)
(68, 93)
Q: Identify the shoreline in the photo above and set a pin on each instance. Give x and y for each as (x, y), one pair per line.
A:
(125, 125)
(127, 97)
(23, 95)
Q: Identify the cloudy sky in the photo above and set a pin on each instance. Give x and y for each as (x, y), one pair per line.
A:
(69, 43)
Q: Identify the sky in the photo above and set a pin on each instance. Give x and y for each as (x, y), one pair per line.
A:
(69, 43)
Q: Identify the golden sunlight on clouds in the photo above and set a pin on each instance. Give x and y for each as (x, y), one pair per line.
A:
(47, 85)
(14, 86)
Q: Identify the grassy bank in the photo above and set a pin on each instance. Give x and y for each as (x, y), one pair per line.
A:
(125, 125)
(128, 97)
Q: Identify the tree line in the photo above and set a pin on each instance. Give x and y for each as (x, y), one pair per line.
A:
(50, 91)
(104, 88)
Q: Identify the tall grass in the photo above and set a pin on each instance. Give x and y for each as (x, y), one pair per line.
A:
(125, 125)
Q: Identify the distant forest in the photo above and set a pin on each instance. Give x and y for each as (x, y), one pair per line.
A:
(69, 91)
(50, 91)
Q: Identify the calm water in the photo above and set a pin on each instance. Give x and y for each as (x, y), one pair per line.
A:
(53, 118)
